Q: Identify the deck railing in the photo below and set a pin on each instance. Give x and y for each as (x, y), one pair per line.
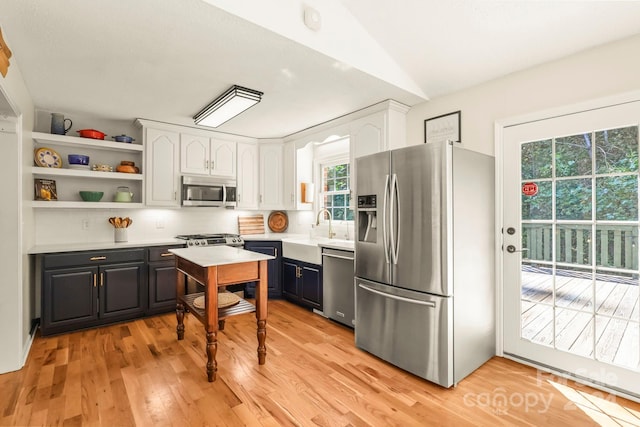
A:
(616, 246)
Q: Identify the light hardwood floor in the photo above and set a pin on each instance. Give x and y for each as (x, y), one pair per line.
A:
(137, 373)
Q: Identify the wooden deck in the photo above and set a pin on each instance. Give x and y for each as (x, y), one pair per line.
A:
(614, 335)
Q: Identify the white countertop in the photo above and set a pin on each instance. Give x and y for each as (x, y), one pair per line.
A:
(344, 245)
(347, 245)
(207, 256)
(272, 236)
(72, 247)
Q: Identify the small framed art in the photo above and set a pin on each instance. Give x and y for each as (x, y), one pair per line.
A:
(45, 189)
(443, 128)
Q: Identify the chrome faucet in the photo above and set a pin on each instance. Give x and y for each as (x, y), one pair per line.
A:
(331, 233)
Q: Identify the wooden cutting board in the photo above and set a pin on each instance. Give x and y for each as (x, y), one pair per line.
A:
(251, 224)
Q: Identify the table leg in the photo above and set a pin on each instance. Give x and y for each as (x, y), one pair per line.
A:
(211, 327)
(212, 349)
(180, 290)
(180, 317)
(261, 311)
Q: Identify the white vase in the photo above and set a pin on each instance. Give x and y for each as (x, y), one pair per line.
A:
(120, 234)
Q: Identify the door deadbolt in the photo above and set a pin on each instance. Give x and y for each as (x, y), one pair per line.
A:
(511, 230)
(511, 249)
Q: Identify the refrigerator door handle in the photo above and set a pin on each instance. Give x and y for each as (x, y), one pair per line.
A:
(399, 298)
(385, 198)
(395, 224)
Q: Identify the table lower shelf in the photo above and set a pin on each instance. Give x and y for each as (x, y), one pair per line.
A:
(242, 307)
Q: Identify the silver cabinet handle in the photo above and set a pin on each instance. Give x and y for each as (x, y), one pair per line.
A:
(212, 165)
(276, 252)
(97, 258)
(395, 297)
(338, 256)
(206, 164)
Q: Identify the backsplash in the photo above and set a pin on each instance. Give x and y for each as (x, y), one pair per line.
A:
(53, 226)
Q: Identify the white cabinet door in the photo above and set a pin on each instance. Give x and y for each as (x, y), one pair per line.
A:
(223, 158)
(162, 176)
(289, 176)
(194, 154)
(368, 136)
(271, 176)
(247, 186)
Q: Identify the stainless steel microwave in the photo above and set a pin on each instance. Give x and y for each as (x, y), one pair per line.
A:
(204, 191)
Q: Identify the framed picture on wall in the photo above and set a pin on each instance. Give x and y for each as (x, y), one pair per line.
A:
(443, 128)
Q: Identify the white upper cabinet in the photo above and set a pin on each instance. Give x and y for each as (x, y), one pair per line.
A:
(289, 176)
(223, 158)
(368, 135)
(380, 131)
(247, 186)
(194, 154)
(271, 176)
(201, 155)
(162, 175)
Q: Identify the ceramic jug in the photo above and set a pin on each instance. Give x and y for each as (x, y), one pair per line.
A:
(59, 124)
(123, 195)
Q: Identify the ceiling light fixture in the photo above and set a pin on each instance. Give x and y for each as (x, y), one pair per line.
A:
(228, 105)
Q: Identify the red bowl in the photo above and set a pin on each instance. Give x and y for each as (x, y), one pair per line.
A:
(91, 133)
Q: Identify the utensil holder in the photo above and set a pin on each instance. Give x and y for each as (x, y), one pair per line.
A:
(120, 234)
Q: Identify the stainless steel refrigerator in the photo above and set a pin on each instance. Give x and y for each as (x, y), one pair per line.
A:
(424, 267)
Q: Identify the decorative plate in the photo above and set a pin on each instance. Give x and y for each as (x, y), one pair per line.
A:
(47, 158)
(278, 221)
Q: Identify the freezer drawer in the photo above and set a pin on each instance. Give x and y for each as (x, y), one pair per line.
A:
(411, 330)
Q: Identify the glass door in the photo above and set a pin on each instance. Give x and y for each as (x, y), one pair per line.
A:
(570, 266)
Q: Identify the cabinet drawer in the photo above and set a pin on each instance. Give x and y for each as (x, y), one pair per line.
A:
(161, 253)
(74, 259)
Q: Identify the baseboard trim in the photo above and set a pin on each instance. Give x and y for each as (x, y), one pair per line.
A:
(27, 346)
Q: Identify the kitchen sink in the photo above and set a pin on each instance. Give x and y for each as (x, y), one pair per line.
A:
(308, 249)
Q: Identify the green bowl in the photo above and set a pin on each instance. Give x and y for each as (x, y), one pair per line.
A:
(91, 196)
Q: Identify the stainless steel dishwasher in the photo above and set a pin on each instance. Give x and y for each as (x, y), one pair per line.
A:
(338, 295)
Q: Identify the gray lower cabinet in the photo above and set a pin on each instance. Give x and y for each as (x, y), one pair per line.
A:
(274, 282)
(92, 288)
(162, 280)
(302, 283)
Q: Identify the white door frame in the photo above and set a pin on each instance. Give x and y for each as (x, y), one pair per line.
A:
(499, 127)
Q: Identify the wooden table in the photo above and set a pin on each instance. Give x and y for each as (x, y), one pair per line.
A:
(213, 267)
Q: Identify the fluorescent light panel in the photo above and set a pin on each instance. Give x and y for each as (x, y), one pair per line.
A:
(228, 105)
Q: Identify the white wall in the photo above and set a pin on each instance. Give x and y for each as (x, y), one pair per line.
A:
(600, 72)
(16, 302)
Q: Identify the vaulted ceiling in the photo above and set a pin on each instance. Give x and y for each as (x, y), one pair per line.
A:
(166, 59)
